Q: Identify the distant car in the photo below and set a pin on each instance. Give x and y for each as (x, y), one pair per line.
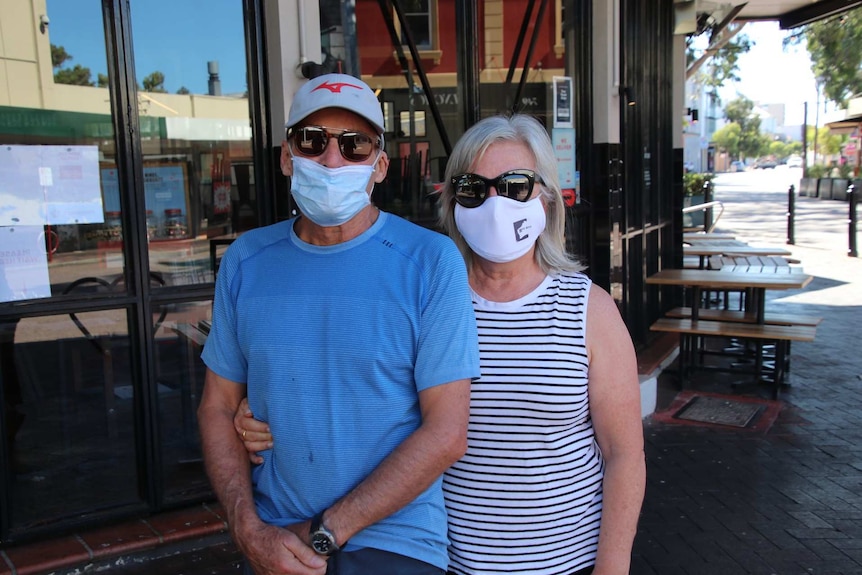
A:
(765, 164)
(794, 162)
(737, 166)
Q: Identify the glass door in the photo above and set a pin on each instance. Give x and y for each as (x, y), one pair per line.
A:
(126, 168)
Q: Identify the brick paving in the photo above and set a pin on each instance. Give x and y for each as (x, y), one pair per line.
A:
(782, 501)
(787, 501)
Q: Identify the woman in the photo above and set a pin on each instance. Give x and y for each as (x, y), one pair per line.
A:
(553, 478)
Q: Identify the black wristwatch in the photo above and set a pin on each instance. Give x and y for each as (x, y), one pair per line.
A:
(322, 539)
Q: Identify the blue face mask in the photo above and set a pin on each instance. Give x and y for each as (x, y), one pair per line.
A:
(329, 196)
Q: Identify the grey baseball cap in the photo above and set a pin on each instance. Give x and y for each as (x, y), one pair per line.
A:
(336, 91)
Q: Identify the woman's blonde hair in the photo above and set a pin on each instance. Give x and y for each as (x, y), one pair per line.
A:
(550, 252)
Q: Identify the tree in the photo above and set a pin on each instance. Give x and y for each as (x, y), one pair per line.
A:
(59, 56)
(183, 90)
(741, 111)
(155, 82)
(101, 80)
(725, 45)
(727, 138)
(835, 47)
(723, 66)
(77, 76)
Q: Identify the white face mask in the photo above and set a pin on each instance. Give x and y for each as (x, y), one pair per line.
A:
(501, 230)
(329, 196)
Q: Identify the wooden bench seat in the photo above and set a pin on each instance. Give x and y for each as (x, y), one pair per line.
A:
(742, 263)
(743, 317)
(735, 329)
(691, 332)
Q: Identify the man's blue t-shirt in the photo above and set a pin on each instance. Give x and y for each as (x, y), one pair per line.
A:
(334, 344)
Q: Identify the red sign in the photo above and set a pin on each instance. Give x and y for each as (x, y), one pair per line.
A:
(569, 197)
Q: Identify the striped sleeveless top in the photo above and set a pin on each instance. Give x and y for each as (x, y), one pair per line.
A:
(527, 496)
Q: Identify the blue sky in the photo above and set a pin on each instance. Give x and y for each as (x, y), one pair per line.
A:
(175, 37)
(769, 74)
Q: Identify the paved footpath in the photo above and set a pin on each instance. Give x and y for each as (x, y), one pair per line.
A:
(789, 500)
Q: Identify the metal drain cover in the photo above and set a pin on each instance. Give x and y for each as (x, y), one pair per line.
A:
(719, 410)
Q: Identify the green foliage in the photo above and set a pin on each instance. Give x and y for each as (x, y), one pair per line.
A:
(835, 46)
(844, 170)
(77, 76)
(183, 90)
(155, 82)
(751, 143)
(778, 149)
(101, 80)
(727, 138)
(724, 62)
(58, 56)
(816, 171)
(828, 142)
(693, 183)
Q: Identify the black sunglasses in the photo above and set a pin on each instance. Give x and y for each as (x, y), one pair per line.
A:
(471, 190)
(354, 146)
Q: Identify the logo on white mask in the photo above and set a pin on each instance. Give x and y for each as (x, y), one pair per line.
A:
(501, 230)
(522, 230)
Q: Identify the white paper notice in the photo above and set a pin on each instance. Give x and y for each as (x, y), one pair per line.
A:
(23, 263)
(42, 185)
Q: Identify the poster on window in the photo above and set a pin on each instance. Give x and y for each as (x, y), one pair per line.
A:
(563, 102)
(221, 197)
(220, 178)
(166, 193)
(23, 263)
(49, 185)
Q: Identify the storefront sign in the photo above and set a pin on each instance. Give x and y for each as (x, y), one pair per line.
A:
(563, 102)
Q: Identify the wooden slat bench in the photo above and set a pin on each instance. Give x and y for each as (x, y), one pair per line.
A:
(782, 335)
(735, 263)
(743, 317)
(751, 264)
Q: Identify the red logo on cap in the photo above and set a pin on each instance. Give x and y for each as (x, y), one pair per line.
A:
(335, 87)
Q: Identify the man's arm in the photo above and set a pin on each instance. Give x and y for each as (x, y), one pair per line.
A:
(268, 548)
(439, 441)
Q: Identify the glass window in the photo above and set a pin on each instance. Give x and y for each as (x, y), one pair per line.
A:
(180, 335)
(198, 177)
(69, 406)
(417, 13)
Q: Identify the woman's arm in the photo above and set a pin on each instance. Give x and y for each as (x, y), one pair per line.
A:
(615, 409)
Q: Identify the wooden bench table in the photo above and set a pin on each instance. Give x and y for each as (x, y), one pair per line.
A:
(753, 325)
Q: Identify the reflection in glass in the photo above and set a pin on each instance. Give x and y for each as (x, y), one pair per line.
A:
(70, 397)
(198, 177)
(60, 126)
(178, 344)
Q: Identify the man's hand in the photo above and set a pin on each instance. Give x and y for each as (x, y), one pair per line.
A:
(271, 550)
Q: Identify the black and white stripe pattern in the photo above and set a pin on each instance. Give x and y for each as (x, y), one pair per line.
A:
(527, 496)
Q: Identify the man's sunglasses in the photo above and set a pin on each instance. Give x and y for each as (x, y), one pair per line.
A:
(354, 146)
(471, 190)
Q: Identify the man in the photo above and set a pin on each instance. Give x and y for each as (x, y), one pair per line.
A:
(352, 333)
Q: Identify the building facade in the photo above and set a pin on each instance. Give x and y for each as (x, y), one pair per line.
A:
(127, 170)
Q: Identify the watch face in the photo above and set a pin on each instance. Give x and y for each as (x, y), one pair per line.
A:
(322, 543)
